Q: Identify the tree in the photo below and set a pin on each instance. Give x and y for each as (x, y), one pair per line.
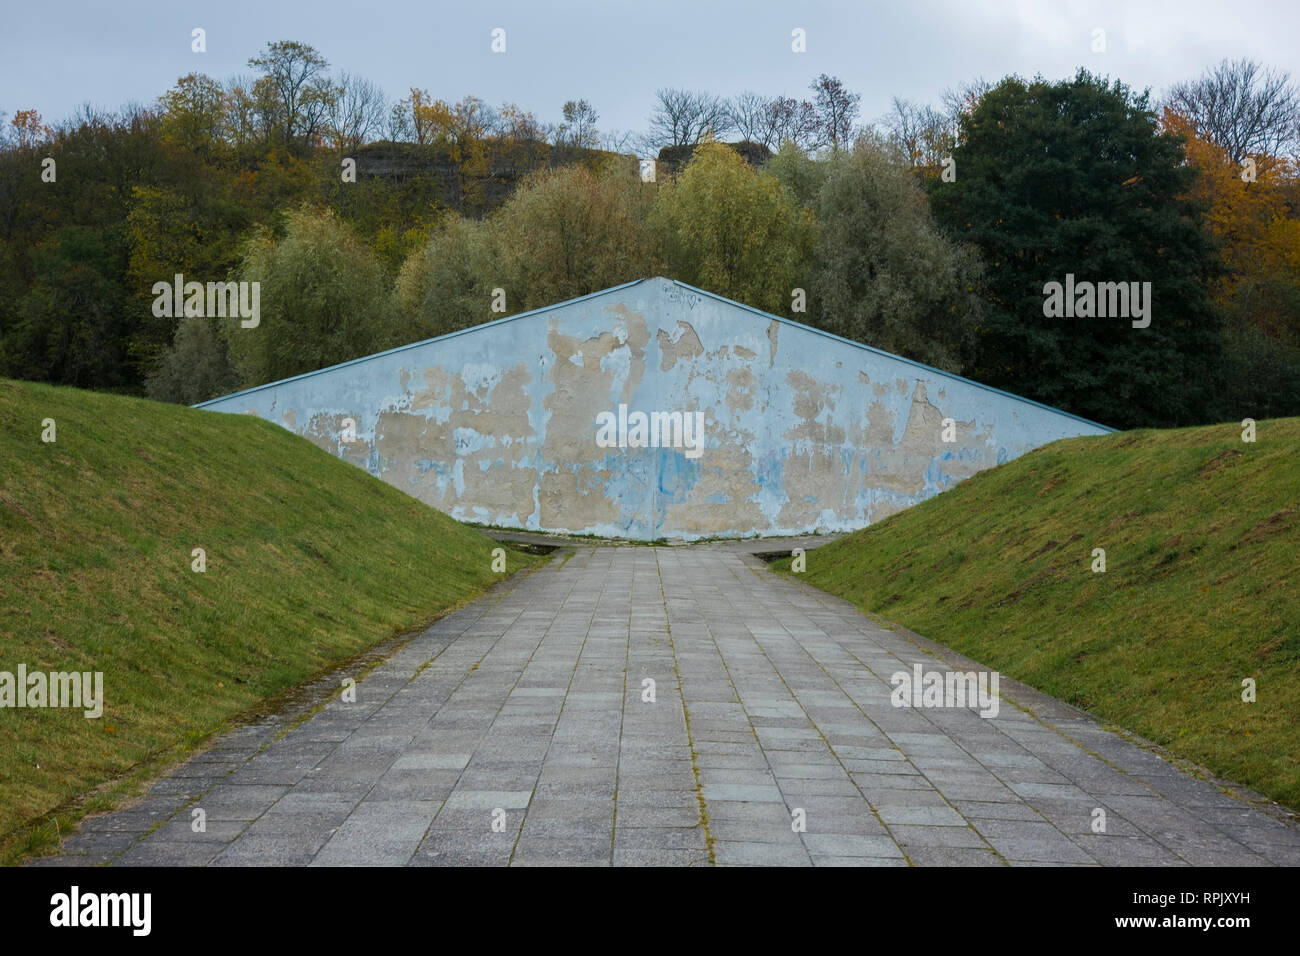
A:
(293, 94)
(962, 99)
(800, 174)
(29, 130)
(751, 116)
(194, 114)
(921, 135)
(885, 275)
(356, 112)
(419, 118)
(572, 231)
(193, 229)
(66, 314)
(1242, 107)
(447, 284)
(732, 230)
(682, 117)
(836, 107)
(467, 128)
(795, 121)
(1074, 178)
(566, 232)
(771, 121)
(618, 141)
(195, 367)
(520, 138)
(324, 299)
(243, 121)
(1258, 232)
(401, 127)
(470, 121)
(1261, 371)
(515, 124)
(1240, 214)
(72, 323)
(578, 130)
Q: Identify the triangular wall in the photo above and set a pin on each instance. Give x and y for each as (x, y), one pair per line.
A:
(804, 431)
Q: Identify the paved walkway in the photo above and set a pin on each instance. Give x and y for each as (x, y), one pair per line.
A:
(515, 732)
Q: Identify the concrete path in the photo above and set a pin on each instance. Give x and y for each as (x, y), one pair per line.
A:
(515, 732)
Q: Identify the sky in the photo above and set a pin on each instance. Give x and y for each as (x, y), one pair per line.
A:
(617, 53)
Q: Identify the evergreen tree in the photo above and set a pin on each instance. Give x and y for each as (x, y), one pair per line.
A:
(1074, 177)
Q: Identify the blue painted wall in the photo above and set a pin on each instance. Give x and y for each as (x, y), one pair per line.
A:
(803, 431)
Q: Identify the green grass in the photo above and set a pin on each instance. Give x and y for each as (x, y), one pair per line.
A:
(309, 562)
(1201, 589)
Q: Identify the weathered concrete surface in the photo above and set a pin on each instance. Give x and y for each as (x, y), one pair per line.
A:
(758, 546)
(527, 708)
(803, 431)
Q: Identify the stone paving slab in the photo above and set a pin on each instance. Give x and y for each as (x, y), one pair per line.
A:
(639, 706)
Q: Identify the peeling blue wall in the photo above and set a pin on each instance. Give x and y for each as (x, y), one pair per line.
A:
(804, 431)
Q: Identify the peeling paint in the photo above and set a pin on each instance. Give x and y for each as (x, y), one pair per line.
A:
(497, 424)
(682, 343)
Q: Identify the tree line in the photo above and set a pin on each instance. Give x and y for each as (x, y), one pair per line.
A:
(929, 233)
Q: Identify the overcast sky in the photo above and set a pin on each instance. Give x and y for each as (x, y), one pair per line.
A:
(616, 53)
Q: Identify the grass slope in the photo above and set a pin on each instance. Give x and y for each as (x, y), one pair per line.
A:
(1202, 539)
(309, 561)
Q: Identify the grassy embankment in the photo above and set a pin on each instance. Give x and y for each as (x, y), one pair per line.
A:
(1201, 533)
(309, 561)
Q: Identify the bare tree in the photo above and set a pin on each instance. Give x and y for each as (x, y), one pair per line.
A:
(357, 112)
(963, 98)
(920, 134)
(959, 101)
(902, 125)
(578, 128)
(619, 141)
(837, 108)
(514, 123)
(294, 93)
(796, 121)
(751, 116)
(1242, 107)
(400, 123)
(771, 120)
(682, 117)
